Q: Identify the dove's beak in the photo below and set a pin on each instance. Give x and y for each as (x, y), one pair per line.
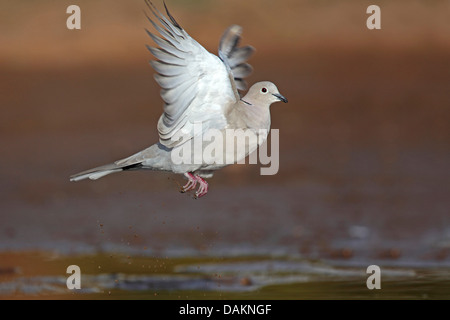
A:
(280, 97)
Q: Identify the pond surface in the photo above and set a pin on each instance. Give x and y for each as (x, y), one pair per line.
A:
(36, 275)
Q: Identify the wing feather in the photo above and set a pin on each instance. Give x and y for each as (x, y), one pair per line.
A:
(241, 71)
(235, 57)
(240, 55)
(166, 57)
(196, 85)
(170, 82)
(166, 69)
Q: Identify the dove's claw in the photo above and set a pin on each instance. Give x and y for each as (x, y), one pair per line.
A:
(191, 184)
(203, 189)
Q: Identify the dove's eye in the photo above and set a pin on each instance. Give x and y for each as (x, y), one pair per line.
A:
(264, 90)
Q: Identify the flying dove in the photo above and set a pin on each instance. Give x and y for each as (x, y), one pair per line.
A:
(198, 87)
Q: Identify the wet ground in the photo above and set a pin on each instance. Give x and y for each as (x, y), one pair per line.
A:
(363, 178)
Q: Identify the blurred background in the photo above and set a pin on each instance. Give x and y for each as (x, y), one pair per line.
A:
(364, 149)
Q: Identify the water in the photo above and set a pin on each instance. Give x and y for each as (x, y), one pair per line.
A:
(230, 278)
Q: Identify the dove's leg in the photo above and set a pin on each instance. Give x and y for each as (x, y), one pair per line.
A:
(203, 189)
(190, 185)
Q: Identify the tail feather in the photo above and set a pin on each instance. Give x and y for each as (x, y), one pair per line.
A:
(96, 173)
(133, 162)
(99, 172)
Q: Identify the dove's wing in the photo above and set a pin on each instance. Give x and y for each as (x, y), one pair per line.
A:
(235, 57)
(196, 85)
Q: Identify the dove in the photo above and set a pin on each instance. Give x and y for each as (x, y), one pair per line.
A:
(197, 87)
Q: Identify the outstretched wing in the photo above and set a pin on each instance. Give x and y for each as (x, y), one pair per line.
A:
(196, 85)
(235, 57)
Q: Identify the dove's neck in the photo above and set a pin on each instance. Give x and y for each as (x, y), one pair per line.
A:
(251, 116)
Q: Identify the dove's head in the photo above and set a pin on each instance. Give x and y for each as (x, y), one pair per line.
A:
(263, 93)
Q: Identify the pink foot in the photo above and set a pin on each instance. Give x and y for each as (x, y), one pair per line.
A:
(203, 189)
(190, 185)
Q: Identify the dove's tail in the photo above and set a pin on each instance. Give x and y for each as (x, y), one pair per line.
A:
(99, 172)
(153, 157)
